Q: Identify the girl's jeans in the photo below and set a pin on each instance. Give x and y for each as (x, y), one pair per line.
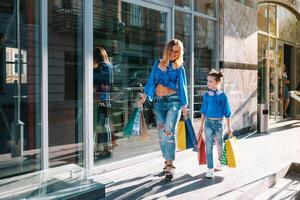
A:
(213, 132)
(167, 113)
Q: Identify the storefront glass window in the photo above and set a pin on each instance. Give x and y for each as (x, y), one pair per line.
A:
(182, 32)
(272, 17)
(262, 18)
(204, 57)
(182, 3)
(207, 7)
(65, 81)
(133, 38)
(287, 24)
(20, 103)
(262, 69)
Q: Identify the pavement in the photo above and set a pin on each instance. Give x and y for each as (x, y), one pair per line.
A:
(260, 155)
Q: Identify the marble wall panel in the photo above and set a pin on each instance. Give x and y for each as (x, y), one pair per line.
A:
(241, 89)
(240, 33)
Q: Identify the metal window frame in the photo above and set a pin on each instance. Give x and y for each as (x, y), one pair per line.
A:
(88, 155)
(44, 84)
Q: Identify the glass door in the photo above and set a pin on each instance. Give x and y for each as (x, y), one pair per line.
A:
(20, 81)
(280, 80)
(273, 80)
(65, 82)
(133, 35)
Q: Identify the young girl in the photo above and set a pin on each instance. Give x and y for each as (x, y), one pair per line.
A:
(215, 106)
(167, 88)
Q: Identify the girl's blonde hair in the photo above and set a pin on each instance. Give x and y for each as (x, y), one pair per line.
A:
(100, 55)
(179, 61)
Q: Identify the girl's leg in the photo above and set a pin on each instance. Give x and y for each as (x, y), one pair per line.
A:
(209, 144)
(219, 137)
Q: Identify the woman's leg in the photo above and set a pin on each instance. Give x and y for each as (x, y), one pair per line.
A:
(160, 117)
(171, 122)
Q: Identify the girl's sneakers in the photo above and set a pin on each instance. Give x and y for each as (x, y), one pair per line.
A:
(219, 167)
(209, 173)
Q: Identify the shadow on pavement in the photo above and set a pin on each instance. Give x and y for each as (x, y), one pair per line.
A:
(158, 185)
(272, 130)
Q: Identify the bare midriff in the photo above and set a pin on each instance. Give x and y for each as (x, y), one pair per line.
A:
(163, 91)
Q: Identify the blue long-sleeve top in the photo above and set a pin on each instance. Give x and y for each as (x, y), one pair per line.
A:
(103, 80)
(215, 104)
(172, 78)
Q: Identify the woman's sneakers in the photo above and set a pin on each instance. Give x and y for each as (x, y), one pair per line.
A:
(209, 173)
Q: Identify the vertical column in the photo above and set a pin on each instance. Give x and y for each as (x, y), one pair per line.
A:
(192, 82)
(88, 86)
(44, 83)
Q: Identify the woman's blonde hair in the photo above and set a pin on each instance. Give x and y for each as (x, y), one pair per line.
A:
(100, 55)
(179, 61)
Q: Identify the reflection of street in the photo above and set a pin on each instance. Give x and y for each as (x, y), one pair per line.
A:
(130, 147)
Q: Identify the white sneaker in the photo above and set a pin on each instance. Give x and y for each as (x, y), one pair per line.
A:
(219, 167)
(210, 173)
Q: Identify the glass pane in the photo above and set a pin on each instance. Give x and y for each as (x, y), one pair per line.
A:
(182, 3)
(20, 103)
(262, 69)
(133, 37)
(287, 25)
(272, 82)
(204, 57)
(207, 7)
(272, 17)
(262, 18)
(65, 76)
(183, 33)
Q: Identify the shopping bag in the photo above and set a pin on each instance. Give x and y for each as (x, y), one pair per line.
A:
(201, 151)
(224, 156)
(136, 124)
(181, 136)
(231, 152)
(191, 140)
(127, 130)
(143, 128)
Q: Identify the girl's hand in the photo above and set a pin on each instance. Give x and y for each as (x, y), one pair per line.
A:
(200, 132)
(230, 132)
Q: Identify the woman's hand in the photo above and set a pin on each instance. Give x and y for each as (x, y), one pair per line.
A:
(142, 99)
(184, 111)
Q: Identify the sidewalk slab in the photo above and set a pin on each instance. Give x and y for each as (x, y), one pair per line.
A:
(260, 155)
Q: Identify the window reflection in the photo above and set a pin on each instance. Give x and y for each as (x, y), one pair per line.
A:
(206, 7)
(133, 36)
(204, 57)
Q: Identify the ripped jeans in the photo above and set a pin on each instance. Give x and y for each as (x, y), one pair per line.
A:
(167, 112)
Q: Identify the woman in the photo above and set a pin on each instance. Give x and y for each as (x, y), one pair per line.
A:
(102, 88)
(167, 88)
(286, 96)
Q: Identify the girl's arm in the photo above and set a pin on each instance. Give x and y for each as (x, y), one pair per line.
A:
(229, 129)
(200, 132)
